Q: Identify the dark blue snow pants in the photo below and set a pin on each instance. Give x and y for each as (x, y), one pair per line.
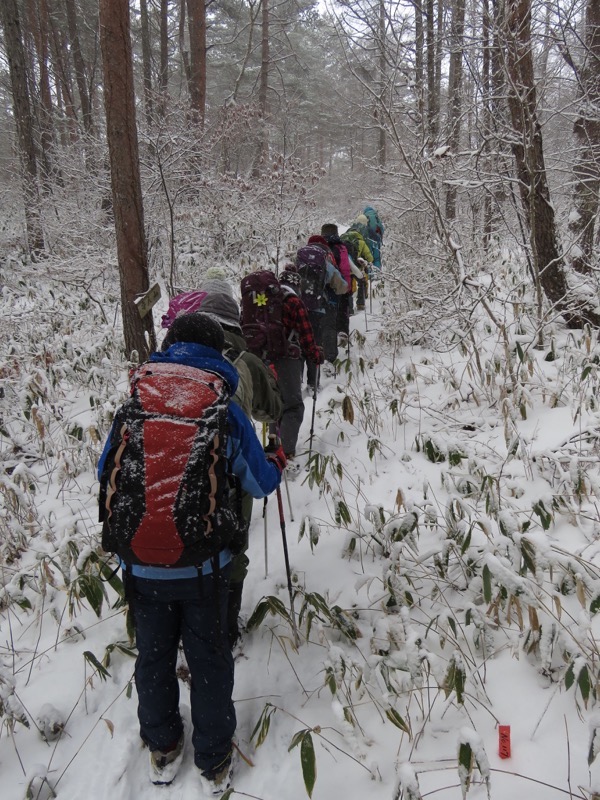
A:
(194, 611)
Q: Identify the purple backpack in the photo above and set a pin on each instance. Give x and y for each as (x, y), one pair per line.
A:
(311, 261)
(262, 315)
(184, 303)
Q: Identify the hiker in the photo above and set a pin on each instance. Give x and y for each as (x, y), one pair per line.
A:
(166, 512)
(259, 396)
(370, 226)
(276, 325)
(187, 302)
(359, 251)
(324, 316)
(330, 233)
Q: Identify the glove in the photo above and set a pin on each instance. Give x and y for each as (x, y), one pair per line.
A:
(362, 262)
(274, 453)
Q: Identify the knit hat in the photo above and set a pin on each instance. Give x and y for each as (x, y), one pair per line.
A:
(214, 272)
(223, 308)
(196, 328)
(216, 286)
(316, 239)
(329, 229)
(290, 276)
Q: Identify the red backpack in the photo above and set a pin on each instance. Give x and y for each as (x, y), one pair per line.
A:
(164, 491)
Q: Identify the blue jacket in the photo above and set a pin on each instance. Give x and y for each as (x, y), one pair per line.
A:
(257, 475)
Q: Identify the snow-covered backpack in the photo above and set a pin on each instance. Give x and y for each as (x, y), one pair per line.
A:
(164, 486)
(262, 315)
(311, 261)
(184, 303)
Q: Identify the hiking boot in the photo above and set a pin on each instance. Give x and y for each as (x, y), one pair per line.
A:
(216, 781)
(164, 764)
(293, 466)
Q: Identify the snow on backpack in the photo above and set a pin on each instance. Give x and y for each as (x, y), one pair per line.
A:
(262, 315)
(164, 487)
(311, 261)
(184, 303)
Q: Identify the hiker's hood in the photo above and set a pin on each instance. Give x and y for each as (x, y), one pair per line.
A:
(201, 357)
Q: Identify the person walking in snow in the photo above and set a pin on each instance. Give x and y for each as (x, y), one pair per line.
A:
(324, 318)
(290, 368)
(259, 396)
(164, 501)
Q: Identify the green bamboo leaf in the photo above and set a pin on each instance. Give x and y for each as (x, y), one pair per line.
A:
(91, 588)
(459, 683)
(570, 676)
(465, 766)
(466, 544)
(297, 739)
(520, 353)
(584, 683)
(395, 718)
(452, 626)
(309, 764)
(594, 745)
(449, 678)
(486, 576)
(528, 553)
(261, 729)
(344, 623)
(595, 605)
(103, 673)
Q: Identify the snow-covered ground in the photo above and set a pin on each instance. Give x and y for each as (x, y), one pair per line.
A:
(445, 584)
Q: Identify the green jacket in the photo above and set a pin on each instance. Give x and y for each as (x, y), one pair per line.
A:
(363, 247)
(257, 394)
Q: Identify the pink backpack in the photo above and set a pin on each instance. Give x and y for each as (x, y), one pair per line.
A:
(184, 303)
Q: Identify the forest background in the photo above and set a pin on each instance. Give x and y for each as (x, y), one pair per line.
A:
(143, 143)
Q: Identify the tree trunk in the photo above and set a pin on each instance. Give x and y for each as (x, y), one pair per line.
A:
(164, 56)
(80, 70)
(381, 145)
(419, 59)
(185, 55)
(146, 61)
(263, 90)
(13, 43)
(121, 131)
(63, 81)
(455, 80)
(586, 172)
(197, 29)
(531, 170)
(432, 117)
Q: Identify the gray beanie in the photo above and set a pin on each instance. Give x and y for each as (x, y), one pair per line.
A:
(223, 308)
(216, 286)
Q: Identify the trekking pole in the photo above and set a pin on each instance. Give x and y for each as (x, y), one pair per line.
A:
(312, 421)
(277, 438)
(287, 568)
(266, 548)
(264, 438)
(287, 491)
